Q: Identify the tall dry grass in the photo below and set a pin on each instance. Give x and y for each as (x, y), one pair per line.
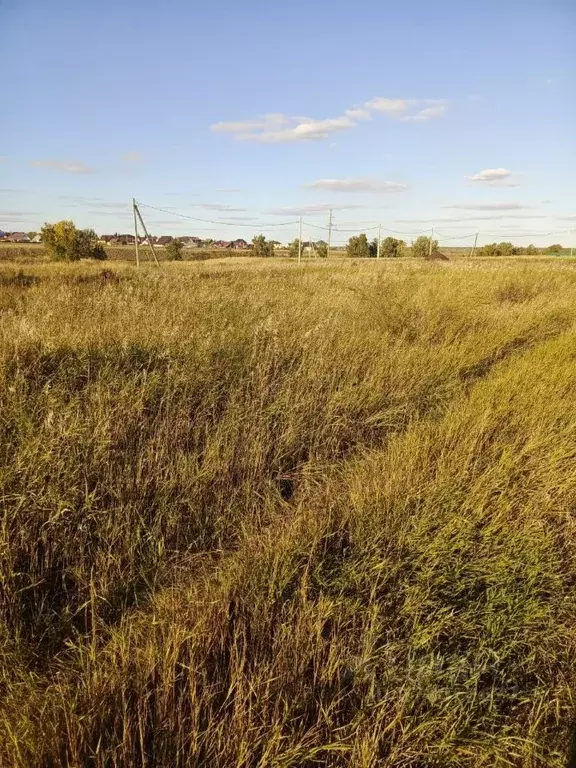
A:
(263, 516)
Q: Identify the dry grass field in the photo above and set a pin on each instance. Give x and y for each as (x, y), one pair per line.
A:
(256, 515)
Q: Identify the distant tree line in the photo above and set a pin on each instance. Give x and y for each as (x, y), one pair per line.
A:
(509, 249)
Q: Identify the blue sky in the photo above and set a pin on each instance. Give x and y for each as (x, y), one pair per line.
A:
(414, 115)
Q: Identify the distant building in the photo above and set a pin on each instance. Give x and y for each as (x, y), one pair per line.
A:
(221, 244)
(191, 242)
(239, 244)
(164, 240)
(17, 237)
(37, 239)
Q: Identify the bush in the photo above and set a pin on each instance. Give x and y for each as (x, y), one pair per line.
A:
(64, 242)
(294, 248)
(358, 247)
(391, 248)
(421, 247)
(174, 250)
(262, 247)
(322, 249)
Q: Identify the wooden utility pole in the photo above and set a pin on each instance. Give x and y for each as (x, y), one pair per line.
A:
(137, 211)
(136, 233)
(329, 233)
(475, 243)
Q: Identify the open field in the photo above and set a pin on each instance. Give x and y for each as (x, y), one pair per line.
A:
(261, 515)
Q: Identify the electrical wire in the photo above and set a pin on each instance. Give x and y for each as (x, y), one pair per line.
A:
(217, 223)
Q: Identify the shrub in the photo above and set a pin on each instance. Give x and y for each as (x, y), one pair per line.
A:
(421, 246)
(64, 242)
(174, 250)
(262, 247)
(358, 247)
(391, 248)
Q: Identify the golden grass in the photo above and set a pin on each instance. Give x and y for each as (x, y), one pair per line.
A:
(257, 515)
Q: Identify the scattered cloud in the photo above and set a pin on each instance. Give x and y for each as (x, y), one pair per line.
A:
(447, 220)
(8, 191)
(132, 157)
(566, 218)
(394, 107)
(309, 210)
(358, 113)
(94, 202)
(428, 113)
(229, 189)
(493, 177)
(219, 207)
(489, 206)
(237, 218)
(276, 127)
(18, 215)
(65, 166)
(357, 185)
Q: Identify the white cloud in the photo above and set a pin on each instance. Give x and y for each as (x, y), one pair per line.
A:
(447, 220)
(566, 218)
(229, 189)
(489, 206)
(309, 210)
(13, 215)
(94, 202)
(358, 113)
(493, 177)
(394, 107)
(428, 113)
(219, 207)
(273, 128)
(237, 218)
(357, 185)
(66, 166)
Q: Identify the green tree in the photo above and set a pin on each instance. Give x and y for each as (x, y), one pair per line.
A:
(262, 247)
(32, 235)
(174, 250)
(391, 248)
(66, 243)
(322, 249)
(421, 247)
(506, 249)
(491, 249)
(373, 248)
(208, 242)
(358, 247)
(294, 248)
(531, 250)
(556, 248)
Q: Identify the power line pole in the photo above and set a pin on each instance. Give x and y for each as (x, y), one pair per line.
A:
(475, 243)
(379, 235)
(136, 233)
(430, 243)
(137, 211)
(329, 232)
(300, 243)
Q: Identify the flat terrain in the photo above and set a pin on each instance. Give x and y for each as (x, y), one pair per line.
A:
(261, 515)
